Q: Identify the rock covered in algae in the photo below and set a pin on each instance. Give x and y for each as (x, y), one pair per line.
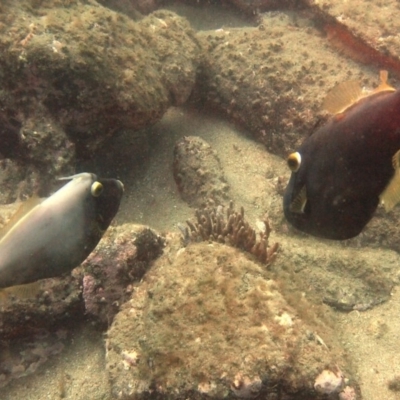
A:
(74, 75)
(29, 309)
(121, 258)
(272, 79)
(198, 172)
(206, 323)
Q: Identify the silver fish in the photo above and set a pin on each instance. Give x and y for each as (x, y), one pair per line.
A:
(57, 233)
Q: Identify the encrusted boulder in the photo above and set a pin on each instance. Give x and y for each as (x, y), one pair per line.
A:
(205, 323)
(269, 78)
(198, 172)
(121, 258)
(72, 76)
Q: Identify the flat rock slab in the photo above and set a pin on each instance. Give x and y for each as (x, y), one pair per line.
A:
(344, 278)
(365, 30)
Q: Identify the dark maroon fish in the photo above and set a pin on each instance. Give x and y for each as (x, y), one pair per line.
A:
(346, 168)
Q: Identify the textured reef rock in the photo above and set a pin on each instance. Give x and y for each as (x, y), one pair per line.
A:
(253, 76)
(73, 76)
(345, 275)
(27, 310)
(207, 322)
(97, 288)
(198, 172)
(28, 127)
(121, 258)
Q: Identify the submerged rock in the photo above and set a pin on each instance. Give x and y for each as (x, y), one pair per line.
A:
(207, 322)
(272, 79)
(198, 172)
(72, 76)
(121, 258)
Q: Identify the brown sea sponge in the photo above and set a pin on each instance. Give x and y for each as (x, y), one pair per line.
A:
(235, 231)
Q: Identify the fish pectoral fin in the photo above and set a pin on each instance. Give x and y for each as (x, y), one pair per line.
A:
(299, 203)
(345, 94)
(391, 195)
(23, 209)
(342, 96)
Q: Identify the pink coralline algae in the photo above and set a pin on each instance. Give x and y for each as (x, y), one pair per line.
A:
(328, 382)
(348, 393)
(120, 259)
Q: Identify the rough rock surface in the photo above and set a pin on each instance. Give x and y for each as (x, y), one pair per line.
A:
(73, 76)
(272, 79)
(207, 322)
(27, 310)
(198, 172)
(35, 318)
(307, 271)
(122, 257)
(369, 275)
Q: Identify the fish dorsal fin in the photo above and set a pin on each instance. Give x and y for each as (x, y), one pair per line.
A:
(345, 94)
(342, 96)
(391, 195)
(383, 86)
(23, 209)
(77, 176)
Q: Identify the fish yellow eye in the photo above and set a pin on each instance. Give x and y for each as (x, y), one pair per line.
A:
(96, 189)
(294, 161)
